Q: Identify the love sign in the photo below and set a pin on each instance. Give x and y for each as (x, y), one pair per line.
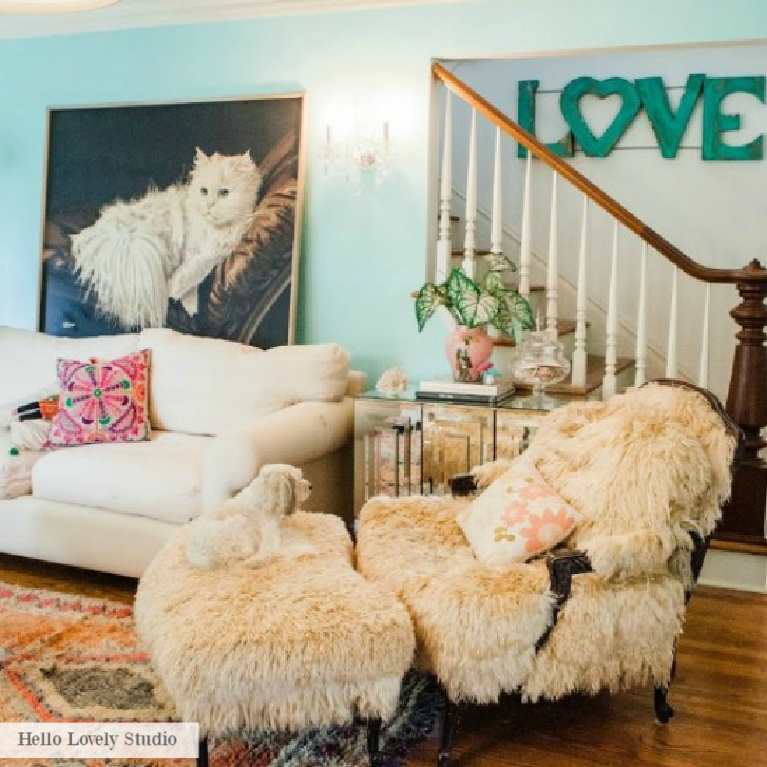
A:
(648, 93)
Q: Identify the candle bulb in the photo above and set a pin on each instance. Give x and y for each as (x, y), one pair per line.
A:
(327, 135)
(386, 132)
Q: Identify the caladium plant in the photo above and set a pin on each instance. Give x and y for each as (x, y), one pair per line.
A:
(474, 304)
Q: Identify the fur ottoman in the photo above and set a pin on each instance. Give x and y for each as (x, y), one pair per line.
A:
(299, 640)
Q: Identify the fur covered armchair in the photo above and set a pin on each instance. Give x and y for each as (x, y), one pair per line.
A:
(646, 473)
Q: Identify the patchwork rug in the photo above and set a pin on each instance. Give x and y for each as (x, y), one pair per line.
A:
(66, 658)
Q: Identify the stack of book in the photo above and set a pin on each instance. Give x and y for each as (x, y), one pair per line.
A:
(452, 391)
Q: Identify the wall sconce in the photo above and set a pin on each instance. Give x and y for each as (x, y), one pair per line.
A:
(364, 151)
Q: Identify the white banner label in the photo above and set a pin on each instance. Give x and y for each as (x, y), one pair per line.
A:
(99, 740)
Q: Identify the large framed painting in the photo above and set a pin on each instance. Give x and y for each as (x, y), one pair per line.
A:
(180, 215)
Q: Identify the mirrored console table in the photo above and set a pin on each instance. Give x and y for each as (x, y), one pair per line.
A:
(409, 446)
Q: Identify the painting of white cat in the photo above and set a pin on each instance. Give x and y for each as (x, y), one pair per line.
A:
(178, 215)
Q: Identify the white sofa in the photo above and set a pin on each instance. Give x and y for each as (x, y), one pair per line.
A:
(219, 411)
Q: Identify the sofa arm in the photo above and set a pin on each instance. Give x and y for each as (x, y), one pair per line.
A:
(630, 554)
(563, 565)
(295, 435)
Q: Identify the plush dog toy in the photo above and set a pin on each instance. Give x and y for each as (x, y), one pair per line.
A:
(247, 527)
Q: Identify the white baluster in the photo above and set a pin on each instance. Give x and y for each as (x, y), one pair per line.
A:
(671, 365)
(526, 234)
(444, 246)
(611, 348)
(580, 357)
(640, 375)
(703, 371)
(496, 225)
(469, 243)
(553, 266)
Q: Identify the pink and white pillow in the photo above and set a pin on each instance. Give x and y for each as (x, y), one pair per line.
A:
(102, 401)
(516, 518)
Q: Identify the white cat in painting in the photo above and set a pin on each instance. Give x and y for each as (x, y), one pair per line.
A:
(140, 253)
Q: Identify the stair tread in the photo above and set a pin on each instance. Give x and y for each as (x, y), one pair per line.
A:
(742, 548)
(595, 370)
(533, 289)
(458, 252)
(564, 328)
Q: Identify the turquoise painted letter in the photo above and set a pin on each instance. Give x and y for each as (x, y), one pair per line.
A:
(526, 118)
(667, 126)
(569, 105)
(715, 123)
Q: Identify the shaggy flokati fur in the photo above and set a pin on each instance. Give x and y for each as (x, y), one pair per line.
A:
(304, 641)
(642, 469)
(247, 527)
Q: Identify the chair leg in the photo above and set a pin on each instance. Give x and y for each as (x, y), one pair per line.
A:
(449, 725)
(374, 742)
(663, 711)
(202, 753)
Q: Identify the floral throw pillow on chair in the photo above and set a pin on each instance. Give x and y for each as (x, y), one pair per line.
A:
(516, 518)
(102, 401)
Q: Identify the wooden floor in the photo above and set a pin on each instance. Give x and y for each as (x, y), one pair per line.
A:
(72, 580)
(720, 695)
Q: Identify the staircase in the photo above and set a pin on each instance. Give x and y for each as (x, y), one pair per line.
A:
(590, 325)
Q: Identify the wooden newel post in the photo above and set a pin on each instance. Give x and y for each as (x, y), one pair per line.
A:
(744, 516)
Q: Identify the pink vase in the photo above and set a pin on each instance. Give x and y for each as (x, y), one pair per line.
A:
(466, 349)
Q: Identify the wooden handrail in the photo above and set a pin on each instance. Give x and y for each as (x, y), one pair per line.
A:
(754, 272)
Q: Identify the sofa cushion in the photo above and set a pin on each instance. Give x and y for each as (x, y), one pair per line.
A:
(160, 479)
(15, 468)
(206, 386)
(102, 401)
(28, 359)
(29, 435)
(9, 411)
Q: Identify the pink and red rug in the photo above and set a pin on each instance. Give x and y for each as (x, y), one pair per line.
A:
(65, 658)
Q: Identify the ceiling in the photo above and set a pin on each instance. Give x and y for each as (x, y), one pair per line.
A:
(147, 13)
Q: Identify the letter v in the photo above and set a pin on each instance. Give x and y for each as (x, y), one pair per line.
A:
(667, 126)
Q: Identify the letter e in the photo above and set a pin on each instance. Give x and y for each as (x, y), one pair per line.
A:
(715, 123)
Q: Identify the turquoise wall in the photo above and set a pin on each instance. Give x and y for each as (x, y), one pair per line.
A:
(362, 254)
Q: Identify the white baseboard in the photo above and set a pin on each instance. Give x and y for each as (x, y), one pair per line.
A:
(733, 570)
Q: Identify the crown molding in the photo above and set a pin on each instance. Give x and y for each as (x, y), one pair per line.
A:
(51, 6)
(133, 14)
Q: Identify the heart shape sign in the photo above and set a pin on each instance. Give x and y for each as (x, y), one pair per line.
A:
(569, 105)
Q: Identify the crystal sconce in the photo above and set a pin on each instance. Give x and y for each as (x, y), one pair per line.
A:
(363, 152)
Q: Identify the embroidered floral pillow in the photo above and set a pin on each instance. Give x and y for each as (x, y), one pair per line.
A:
(516, 518)
(102, 401)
